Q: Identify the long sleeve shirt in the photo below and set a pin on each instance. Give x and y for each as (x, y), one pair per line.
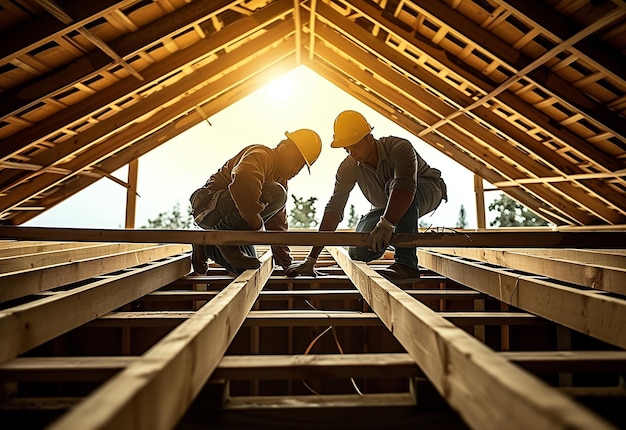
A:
(243, 176)
(399, 166)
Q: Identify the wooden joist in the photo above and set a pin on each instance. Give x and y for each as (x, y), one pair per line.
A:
(78, 265)
(26, 326)
(276, 367)
(351, 294)
(478, 383)
(293, 318)
(607, 274)
(155, 392)
(586, 311)
(475, 381)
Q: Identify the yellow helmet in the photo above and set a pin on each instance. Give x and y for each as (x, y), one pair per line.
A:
(350, 127)
(308, 142)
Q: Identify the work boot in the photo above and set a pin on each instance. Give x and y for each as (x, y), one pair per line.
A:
(199, 259)
(238, 259)
(399, 272)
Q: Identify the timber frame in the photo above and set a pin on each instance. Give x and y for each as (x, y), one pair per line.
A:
(517, 329)
(487, 337)
(529, 95)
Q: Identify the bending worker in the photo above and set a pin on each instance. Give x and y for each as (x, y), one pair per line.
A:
(249, 192)
(393, 177)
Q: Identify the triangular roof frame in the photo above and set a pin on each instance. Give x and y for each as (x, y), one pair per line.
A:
(529, 96)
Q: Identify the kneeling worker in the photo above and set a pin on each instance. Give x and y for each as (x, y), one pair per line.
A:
(249, 192)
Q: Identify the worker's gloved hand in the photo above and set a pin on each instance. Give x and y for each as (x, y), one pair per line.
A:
(306, 267)
(379, 238)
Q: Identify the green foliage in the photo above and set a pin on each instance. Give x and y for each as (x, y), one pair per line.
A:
(353, 219)
(171, 220)
(462, 221)
(303, 214)
(513, 214)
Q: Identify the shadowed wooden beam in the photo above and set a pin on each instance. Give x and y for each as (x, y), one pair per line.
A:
(587, 311)
(170, 295)
(508, 239)
(308, 319)
(28, 325)
(245, 367)
(155, 391)
(478, 383)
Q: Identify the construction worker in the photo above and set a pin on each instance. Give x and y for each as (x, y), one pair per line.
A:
(393, 177)
(249, 192)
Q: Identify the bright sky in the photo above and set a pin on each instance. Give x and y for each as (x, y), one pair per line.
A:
(299, 99)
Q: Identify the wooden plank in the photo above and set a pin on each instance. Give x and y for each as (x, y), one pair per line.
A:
(332, 401)
(587, 311)
(613, 257)
(239, 367)
(474, 380)
(28, 325)
(275, 367)
(306, 318)
(569, 361)
(154, 392)
(63, 369)
(25, 282)
(596, 276)
(20, 247)
(316, 366)
(317, 294)
(517, 239)
(42, 259)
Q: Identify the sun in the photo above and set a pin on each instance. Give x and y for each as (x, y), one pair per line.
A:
(281, 89)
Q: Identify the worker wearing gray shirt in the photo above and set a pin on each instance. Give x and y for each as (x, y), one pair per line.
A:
(393, 177)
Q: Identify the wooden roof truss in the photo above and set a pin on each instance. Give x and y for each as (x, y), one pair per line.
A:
(528, 95)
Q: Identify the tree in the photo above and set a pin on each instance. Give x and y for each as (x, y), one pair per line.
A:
(353, 219)
(171, 220)
(303, 214)
(513, 214)
(462, 221)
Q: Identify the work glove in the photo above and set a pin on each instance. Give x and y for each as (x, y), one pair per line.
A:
(306, 267)
(379, 238)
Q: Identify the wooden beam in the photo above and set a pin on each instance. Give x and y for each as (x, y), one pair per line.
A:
(597, 276)
(597, 315)
(28, 325)
(317, 294)
(478, 383)
(41, 259)
(302, 318)
(501, 239)
(569, 361)
(15, 248)
(131, 193)
(154, 392)
(29, 281)
(245, 367)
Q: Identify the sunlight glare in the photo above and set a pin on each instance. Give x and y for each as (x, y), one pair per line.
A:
(281, 89)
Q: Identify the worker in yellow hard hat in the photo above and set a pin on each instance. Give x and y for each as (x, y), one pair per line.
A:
(249, 192)
(393, 177)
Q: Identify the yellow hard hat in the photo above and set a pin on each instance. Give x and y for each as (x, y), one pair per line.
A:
(308, 142)
(350, 127)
